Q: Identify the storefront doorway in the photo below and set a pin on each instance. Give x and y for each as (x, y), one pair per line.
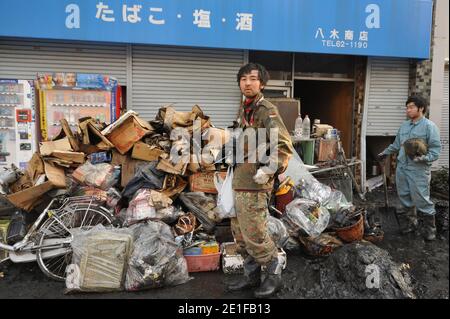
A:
(331, 102)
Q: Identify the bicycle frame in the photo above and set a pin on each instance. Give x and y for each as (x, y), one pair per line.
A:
(24, 251)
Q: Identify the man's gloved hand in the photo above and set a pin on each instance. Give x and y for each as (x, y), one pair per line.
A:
(421, 158)
(381, 157)
(262, 176)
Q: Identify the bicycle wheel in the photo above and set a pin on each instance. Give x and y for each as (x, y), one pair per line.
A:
(56, 234)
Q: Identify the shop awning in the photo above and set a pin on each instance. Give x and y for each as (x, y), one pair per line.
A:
(400, 28)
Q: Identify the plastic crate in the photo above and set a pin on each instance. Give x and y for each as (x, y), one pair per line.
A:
(197, 263)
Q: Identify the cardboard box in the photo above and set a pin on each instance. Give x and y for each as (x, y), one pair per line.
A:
(204, 182)
(55, 175)
(92, 135)
(68, 132)
(76, 157)
(47, 148)
(166, 165)
(321, 129)
(30, 197)
(35, 168)
(27, 194)
(118, 159)
(128, 165)
(126, 131)
(216, 136)
(173, 185)
(129, 170)
(146, 152)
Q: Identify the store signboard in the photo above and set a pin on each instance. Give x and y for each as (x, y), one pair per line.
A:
(396, 28)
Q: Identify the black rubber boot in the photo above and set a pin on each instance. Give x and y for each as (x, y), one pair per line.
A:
(251, 278)
(270, 286)
(411, 223)
(272, 283)
(429, 227)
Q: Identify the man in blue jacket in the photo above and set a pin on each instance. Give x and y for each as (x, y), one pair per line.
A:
(418, 144)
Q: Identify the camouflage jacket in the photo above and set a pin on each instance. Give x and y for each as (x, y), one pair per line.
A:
(264, 115)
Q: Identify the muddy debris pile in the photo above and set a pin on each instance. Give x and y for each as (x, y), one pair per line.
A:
(359, 270)
(439, 183)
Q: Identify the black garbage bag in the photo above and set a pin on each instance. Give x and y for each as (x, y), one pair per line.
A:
(148, 176)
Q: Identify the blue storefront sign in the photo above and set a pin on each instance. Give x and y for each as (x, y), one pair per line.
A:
(396, 28)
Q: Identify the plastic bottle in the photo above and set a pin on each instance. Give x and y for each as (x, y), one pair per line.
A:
(298, 126)
(306, 128)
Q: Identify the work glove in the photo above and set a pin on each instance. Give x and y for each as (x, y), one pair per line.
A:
(421, 158)
(262, 176)
(381, 157)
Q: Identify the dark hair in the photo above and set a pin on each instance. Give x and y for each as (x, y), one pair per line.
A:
(249, 67)
(418, 101)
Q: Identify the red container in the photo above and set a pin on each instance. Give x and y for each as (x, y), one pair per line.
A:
(282, 200)
(351, 233)
(197, 263)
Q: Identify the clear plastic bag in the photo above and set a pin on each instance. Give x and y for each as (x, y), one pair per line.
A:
(337, 201)
(169, 214)
(99, 260)
(306, 215)
(333, 200)
(225, 196)
(297, 170)
(277, 231)
(307, 186)
(156, 260)
(314, 190)
(204, 207)
(140, 207)
(103, 175)
(113, 197)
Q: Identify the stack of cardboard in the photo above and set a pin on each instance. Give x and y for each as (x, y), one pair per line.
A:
(39, 178)
(131, 143)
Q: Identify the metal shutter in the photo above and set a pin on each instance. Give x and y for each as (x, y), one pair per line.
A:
(443, 158)
(185, 77)
(22, 59)
(387, 92)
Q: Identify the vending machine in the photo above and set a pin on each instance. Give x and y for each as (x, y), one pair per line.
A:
(73, 96)
(18, 139)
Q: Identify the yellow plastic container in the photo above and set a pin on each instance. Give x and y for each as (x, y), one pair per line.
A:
(210, 248)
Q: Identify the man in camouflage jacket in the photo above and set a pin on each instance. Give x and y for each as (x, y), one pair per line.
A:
(264, 148)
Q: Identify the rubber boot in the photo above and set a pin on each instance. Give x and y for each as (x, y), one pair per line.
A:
(272, 282)
(411, 222)
(251, 278)
(429, 227)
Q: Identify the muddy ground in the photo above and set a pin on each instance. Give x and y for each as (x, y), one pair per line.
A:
(424, 271)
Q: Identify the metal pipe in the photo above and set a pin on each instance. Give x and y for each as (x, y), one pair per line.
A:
(6, 247)
(335, 167)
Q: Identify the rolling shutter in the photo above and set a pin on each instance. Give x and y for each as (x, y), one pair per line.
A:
(387, 91)
(443, 158)
(185, 77)
(22, 59)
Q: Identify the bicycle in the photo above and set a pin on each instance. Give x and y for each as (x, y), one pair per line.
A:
(48, 241)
